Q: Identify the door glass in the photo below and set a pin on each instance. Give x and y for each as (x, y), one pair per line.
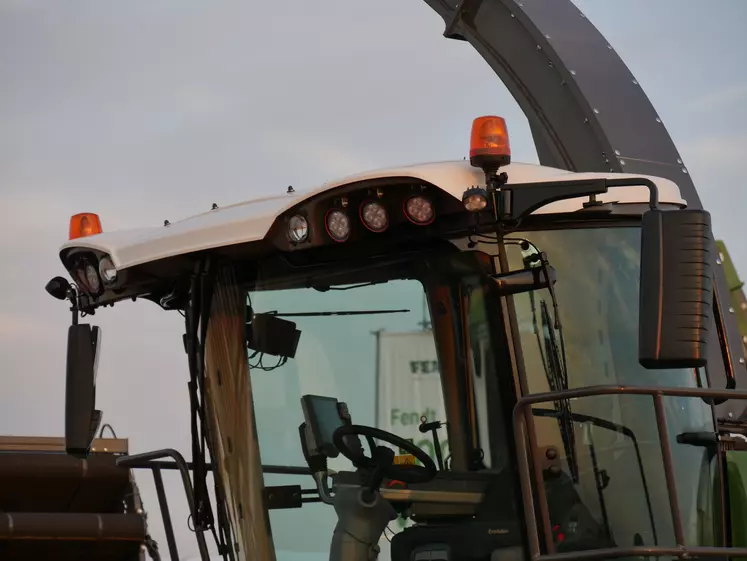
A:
(612, 465)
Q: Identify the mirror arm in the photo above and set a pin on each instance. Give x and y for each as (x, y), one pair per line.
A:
(653, 201)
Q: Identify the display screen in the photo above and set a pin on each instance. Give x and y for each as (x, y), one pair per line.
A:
(324, 419)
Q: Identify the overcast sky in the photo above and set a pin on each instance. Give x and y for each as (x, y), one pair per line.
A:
(149, 110)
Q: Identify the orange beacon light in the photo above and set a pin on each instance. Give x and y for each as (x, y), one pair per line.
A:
(84, 224)
(489, 146)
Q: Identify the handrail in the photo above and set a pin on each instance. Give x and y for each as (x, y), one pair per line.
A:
(526, 441)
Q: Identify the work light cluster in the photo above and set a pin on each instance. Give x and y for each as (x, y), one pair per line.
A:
(373, 214)
(93, 276)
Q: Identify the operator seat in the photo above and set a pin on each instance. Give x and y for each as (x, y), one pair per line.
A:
(496, 532)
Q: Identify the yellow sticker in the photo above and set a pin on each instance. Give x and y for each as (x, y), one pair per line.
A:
(404, 459)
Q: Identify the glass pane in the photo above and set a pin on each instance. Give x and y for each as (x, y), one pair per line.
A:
(343, 356)
(597, 298)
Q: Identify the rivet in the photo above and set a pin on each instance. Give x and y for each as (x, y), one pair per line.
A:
(596, 111)
(573, 72)
(512, 16)
(290, 190)
(718, 261)
(617, 152)
(139, 511)
(679, 161)
(622, 162)
(684, 170)
(741, 361)
(106, 449)
(658, 120)
(635, 82)
(547, 36)
(215, 206)
(539, 47)
(731, 414)
(166, 223)
(609, 47)
(743, 305)
(731, 310)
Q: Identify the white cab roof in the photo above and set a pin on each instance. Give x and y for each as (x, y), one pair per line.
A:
(250, 221)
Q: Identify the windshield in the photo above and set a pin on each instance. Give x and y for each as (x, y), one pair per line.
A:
(609, 444)
(383, 365)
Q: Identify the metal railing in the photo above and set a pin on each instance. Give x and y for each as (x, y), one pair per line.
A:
(526, 443)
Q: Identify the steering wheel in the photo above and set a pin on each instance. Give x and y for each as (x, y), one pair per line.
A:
(412, 474)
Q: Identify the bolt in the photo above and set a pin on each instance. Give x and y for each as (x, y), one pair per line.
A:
(551, 453)
(609, 47)
(214, 206)
(581, 14)
(731, 414)
(731, 310)
(741, 361)
(622, 162)
(718, 261)
(658, 120)
(512, 16)
(617, 152)
(635, 82)
(684, 170)
(573, 72)
(679, 161)
(139, 511)
(166, 223)
(547, 36)
(290, 189)
(596, 111)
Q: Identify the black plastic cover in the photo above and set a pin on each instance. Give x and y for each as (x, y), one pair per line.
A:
(676, 289)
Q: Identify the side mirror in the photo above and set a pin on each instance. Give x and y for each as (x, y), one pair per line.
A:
(81, 418)
(676, 289)
(524, 280)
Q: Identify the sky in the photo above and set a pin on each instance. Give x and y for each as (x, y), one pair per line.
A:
(143, 111)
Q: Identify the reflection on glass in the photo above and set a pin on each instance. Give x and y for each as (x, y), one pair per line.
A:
(597, 295)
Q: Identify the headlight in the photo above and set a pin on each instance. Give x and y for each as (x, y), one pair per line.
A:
(107, 270)
(92, 279)
(298, 229)
(419, 210)
(374, 216)
(337, 224)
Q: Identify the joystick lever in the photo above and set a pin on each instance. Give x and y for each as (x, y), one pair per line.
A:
(432, 427)
(383, 456)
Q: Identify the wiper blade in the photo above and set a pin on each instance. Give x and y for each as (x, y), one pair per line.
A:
(337, 313)
(557, 379)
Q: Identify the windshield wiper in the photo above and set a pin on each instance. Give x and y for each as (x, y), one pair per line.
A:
(340, 313)
(557, 379)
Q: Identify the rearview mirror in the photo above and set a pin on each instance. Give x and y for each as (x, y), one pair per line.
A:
(81, 418)
(676, 289)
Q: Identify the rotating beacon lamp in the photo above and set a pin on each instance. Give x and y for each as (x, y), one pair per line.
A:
(489, 149)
